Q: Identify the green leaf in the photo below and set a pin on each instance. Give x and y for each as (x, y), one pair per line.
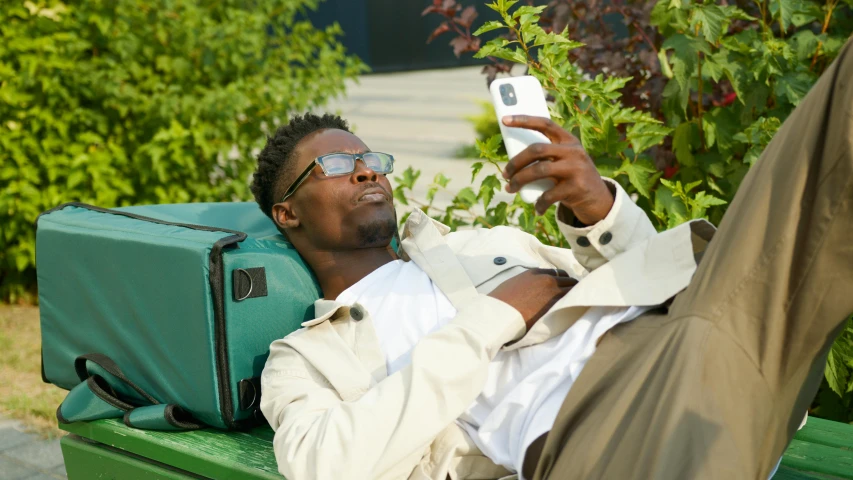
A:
(664, 64)
(644, 135)
(550, 38)
(839, 361)
(642, 174)
(491, 47)
(441, 180)
(488, 27)
(487, 189)
(400, 195)
(794, 86)
(685, 56)
(784, 10)
(517, 55)
(669, 209)
(475, 169)
(711, 19)
(466, 198)
(682, 143)
(805, 43)
(528, 10)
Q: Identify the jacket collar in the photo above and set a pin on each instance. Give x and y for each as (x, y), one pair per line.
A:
(423, 242)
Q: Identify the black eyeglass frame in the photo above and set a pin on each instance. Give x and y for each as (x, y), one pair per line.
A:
(319, 161)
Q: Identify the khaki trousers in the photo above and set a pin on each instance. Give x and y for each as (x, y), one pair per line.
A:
(716, 387)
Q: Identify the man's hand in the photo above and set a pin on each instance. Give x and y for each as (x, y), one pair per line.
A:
(534, 292)
(578, 187)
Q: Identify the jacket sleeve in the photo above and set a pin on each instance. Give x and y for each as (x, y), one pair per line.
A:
(384, 432)
(624, 226)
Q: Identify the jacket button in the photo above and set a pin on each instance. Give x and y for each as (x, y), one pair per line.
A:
(583, 242)
(356, 313)
(605, 238)
(500, 260)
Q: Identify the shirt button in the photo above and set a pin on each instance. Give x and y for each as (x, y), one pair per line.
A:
(583, 242)
(605, 238)
(500, 260)
(356, 313)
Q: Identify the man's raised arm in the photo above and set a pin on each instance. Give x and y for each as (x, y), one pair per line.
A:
(594, 214)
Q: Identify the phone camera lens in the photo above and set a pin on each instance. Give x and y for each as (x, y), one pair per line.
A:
(508, 94)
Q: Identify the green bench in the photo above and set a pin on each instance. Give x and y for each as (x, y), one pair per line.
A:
(108, 449)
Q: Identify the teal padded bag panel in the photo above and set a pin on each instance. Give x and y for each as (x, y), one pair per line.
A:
(252, 324)
(142, 293)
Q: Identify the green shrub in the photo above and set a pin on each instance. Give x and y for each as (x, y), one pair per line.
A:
(120, 102)
(732, 73)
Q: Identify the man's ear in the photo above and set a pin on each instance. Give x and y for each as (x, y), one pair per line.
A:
(284, 216)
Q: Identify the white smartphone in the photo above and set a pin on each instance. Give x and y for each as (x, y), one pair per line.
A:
(521, 96)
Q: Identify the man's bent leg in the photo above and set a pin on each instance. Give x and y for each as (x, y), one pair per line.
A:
(718, 386)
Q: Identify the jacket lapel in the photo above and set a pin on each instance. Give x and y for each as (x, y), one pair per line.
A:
(343, 370)
(423, 242)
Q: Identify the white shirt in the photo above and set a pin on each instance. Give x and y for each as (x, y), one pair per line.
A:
(405, 306)
(524, 389)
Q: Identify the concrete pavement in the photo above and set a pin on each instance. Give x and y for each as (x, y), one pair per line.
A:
(25, 455)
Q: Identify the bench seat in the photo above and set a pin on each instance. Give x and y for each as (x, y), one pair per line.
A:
(109, 449)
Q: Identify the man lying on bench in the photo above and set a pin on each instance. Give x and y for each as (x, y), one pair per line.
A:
(634, 355)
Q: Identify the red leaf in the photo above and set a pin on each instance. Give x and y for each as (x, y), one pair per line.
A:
(438, 31)
(467, 17)
(462, 44)
(435, 7)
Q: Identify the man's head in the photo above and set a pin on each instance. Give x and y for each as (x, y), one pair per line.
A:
(324, 213)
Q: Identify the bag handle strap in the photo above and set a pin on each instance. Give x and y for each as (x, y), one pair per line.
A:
(94, 398)
(110, 367)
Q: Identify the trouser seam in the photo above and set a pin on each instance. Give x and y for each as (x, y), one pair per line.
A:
(833, 216)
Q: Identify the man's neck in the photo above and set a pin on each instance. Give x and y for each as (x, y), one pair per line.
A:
(337, 271)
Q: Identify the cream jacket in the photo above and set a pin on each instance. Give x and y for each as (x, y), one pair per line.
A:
(336, 412)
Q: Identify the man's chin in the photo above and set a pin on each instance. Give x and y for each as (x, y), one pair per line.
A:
(376, 233)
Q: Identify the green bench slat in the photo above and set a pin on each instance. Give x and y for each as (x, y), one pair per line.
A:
(209, 453)
(825, 432)
(788, 473)
(85, 459)
(822, 450)
(812, 457)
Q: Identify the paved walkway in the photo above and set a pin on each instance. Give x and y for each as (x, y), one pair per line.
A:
(27, 456)
(416, 116)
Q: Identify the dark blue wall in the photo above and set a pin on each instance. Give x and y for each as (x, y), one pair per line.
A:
(390, 35)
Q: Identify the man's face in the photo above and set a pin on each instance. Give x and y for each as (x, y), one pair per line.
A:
(337, 213)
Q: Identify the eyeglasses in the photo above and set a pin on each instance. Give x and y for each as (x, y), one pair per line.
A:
(338, 164)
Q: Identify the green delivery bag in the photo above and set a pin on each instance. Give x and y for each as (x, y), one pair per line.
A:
(164, 314)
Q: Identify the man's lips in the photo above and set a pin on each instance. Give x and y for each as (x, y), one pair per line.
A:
(373, 194)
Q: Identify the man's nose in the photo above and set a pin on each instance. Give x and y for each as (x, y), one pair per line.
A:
(363, 173)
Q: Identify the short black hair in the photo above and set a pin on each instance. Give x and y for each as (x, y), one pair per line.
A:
(276, 163)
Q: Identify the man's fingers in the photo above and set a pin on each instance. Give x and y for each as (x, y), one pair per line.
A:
(561, 191)
(546, 126)
(568, 161)
(534, 153)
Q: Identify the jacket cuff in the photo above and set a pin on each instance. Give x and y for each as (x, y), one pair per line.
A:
(496, 322)
(625, 225)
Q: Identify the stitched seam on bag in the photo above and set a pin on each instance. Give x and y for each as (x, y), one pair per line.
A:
(79, 229)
